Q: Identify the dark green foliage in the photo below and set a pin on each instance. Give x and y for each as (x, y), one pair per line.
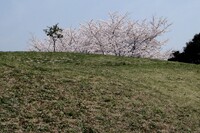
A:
(191, 53)
(54, 33)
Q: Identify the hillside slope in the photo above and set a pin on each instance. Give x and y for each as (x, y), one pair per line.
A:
(66, 92)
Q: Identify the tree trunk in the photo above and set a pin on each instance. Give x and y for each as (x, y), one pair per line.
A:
(54, 46)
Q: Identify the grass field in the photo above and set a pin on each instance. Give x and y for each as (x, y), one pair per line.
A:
(67, 92)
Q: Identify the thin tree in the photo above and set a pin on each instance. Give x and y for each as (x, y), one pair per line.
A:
(55, 33)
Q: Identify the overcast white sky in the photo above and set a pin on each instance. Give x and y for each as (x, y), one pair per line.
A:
(20, 18)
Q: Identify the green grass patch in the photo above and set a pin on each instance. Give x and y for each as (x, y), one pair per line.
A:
(68, 92)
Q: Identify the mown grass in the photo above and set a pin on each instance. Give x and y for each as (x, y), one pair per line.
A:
(67, 92)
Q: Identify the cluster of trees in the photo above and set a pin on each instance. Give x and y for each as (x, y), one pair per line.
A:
(190, 54)
(118, 36)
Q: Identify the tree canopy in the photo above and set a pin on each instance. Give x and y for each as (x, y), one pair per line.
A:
(191, 53)
(54, 33)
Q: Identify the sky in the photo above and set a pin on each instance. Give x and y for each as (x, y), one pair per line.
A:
(19, 19)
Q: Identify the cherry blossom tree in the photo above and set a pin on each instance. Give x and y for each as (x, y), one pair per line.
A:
(118, 36)
(40, 45)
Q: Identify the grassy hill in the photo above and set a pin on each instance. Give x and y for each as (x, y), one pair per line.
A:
(66, 92)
